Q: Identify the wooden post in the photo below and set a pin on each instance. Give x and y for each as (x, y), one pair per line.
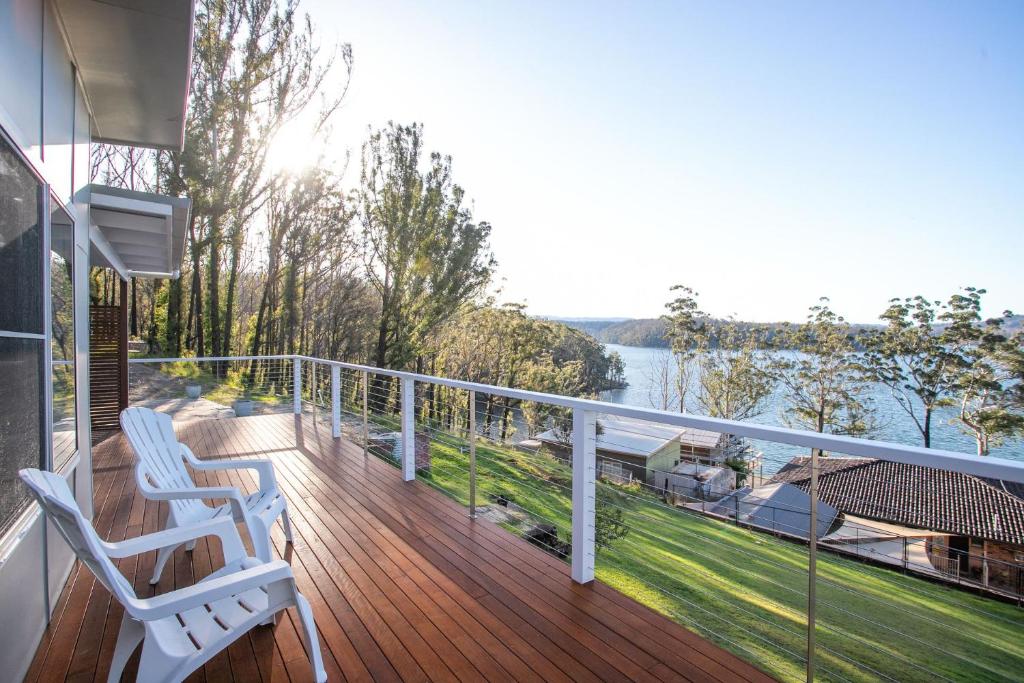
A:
(335, 401)
(122, 347)
(472, 455)
(584, 493)
(408, 429)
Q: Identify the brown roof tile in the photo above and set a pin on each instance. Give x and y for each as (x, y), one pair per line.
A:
(916, 496)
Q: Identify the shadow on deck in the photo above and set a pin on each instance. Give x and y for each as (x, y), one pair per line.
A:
(404, 586)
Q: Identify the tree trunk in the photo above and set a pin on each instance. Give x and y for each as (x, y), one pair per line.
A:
(927, 431)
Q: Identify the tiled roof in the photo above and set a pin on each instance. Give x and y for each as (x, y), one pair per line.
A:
(915, 496)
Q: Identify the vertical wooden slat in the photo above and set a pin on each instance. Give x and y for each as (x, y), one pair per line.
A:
(122, 348)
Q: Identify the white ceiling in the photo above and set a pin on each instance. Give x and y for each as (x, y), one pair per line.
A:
(133, 57)
(137, 233)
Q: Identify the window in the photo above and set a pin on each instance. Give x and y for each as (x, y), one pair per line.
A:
(62, 347)
(22, 337)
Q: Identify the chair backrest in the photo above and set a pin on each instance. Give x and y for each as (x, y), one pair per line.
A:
(53, 495)
(160, 462)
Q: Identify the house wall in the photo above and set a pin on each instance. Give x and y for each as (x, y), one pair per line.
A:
(43, 112)
(662, 461)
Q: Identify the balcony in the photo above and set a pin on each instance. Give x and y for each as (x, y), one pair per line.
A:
(431, 549)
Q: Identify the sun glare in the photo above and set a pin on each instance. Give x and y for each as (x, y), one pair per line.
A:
(293, 149)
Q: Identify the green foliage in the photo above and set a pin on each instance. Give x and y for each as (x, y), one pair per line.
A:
(424, 255)
(824, 385)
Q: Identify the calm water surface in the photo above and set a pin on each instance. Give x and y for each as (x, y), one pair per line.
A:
(641, 363)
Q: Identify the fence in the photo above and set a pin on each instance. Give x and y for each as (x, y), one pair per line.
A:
(748, 576)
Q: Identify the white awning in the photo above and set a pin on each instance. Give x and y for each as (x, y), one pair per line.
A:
(138, 234)
(134, 59)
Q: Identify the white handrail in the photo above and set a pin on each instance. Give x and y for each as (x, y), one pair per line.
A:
(989, 467)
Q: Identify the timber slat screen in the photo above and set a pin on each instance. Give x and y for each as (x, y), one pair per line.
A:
(404, 586)
(108, 390)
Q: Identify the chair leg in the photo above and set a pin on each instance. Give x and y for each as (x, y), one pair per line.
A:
(162, 556)
(128, 638)
(312, 642)
(287, 524)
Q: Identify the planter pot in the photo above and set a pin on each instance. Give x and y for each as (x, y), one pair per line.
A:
(243, 407)
(193, 390)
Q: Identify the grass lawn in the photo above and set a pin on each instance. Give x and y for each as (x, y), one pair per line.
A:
(746, 590)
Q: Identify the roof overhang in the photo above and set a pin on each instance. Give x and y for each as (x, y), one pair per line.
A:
(138, 234)
(134, 60)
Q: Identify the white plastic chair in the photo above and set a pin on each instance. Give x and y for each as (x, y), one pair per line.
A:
(181, 630)
(161, 475)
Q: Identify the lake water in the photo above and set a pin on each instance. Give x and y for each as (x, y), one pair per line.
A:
(640, 364)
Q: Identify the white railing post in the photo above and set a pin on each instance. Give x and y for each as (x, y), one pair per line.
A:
(335, 401)
(408, 429)
(297, 386)
(584, 493)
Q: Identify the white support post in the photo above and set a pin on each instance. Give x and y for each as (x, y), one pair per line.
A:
(335, 401)
(297, 386)
(408, 429)
(584, 493)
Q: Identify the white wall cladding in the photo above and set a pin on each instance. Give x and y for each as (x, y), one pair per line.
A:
(58, 87)
(21, 40)
(45, 114)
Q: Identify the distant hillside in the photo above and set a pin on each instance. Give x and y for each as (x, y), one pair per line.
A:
(650, 332)
(592, 326)
(640, 332)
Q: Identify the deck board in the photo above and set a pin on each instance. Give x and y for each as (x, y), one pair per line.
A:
(403, 585)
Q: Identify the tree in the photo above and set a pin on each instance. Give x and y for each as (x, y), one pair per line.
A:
(910, 357)
(686, 328)
(987, 371)
(735, 377)
(423, 253)
(256, 66)
(824, 385)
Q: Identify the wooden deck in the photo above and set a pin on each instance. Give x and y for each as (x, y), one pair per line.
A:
(403, 585)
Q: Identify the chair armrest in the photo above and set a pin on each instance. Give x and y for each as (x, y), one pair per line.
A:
(232, 494)
(265, 468)
(223, 528)
(211, 590)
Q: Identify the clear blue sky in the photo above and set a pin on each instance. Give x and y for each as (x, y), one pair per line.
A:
(763, 153)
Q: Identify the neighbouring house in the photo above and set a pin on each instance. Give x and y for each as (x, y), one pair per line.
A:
(73, 73)
(627, 450)
(972, 527)
(780, 508)
(690, 481)
(702, 445)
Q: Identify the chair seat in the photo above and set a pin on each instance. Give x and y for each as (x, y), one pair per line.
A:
(213, 626)
(265, 504)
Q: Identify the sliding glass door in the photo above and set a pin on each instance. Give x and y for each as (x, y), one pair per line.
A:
(24, 355)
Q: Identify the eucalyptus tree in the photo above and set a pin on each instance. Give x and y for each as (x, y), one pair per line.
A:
(988, 367)
(736, 374)
(256, 66)
(423, 253)
(911, 357)
(824, 386)
(686, 328)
